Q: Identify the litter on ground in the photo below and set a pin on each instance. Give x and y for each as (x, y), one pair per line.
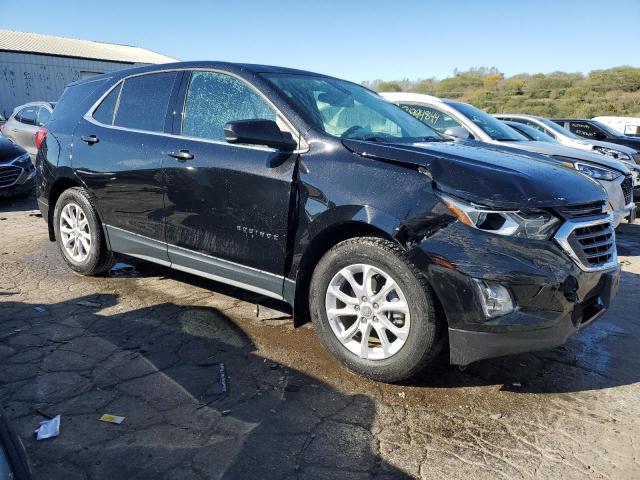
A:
(48, 428)
(111, 419)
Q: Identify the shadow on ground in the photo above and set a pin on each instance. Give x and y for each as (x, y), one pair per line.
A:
(161, 368)
(18, 204)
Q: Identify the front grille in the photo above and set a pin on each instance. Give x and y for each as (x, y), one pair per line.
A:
(581, 210)
(627, 189)
(9, 175)
(591, 244)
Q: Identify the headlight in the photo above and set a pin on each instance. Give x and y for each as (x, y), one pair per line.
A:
(599, 173)
(532, 224)
(610, 152)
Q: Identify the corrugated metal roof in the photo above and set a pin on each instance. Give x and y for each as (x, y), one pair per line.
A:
(69, 47)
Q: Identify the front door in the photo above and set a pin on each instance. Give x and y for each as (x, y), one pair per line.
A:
(227, 206)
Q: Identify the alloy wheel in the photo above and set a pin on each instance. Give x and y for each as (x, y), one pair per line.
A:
(75, 232)
(367, 311)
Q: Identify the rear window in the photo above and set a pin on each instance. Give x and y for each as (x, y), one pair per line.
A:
(43, 116)
(144, 101)
(73, 98)
(106, 109)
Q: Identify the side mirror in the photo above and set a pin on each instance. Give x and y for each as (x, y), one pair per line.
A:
(457, 132)
(259, 132)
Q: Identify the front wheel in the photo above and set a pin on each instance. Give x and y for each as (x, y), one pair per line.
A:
(79, 233)
(374, 310)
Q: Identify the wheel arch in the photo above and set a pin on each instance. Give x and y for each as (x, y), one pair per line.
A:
(59, 186)
(321, 243)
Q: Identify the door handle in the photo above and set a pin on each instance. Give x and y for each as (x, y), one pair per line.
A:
(182, 155)
(91, 139)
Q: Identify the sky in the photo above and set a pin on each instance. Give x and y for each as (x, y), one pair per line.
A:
(356, 40)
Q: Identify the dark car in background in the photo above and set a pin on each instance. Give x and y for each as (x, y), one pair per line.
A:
(318, 192)
(17, 172)
(596, 130)
(23, 124)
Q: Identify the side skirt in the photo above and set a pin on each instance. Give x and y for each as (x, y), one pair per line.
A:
(213, 268)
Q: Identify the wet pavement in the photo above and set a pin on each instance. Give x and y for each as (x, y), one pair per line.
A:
(147, 343)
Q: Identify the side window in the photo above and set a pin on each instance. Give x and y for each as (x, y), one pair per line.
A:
(43, 116)
(144, 101)
(632, 130)
(28, 115)
(214, 99)
(106, 109)
(583, 129)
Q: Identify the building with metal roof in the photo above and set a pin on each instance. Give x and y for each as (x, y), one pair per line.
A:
(38, 67)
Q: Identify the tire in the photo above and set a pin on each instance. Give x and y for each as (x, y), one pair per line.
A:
(420, 330)
(92, 261)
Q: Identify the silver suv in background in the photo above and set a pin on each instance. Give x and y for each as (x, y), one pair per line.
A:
(466, 122)
(25, 121)
(570, 139)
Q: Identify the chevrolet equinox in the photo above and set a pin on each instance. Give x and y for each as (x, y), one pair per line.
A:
(317, 191)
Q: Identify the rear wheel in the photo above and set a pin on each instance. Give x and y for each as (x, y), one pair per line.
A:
(79, 233)
(374, 310)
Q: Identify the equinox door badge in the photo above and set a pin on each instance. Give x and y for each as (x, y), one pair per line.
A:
(254, 232)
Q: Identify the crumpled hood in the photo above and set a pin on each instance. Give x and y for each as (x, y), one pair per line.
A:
(9, 151)
(489, 177)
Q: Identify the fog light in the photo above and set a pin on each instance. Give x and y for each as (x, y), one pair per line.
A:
(495, 298)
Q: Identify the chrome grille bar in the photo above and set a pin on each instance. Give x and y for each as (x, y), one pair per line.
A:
(591, 244)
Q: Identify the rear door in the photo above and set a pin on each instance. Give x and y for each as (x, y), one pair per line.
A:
(227, 207)
(118, 152)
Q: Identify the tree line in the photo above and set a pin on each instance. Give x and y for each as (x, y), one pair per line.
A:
(614, 91)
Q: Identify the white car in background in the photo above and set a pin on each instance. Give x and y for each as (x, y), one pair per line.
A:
(625, 125)
(466, 122)
(565, 137)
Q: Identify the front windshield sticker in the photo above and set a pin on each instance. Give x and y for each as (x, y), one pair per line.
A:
(428, 116)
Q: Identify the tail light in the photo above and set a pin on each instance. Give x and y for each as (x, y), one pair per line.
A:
(41, 136)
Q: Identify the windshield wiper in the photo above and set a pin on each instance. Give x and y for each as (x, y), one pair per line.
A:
(372, 138)
(428, 139)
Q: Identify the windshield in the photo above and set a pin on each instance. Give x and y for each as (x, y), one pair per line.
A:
(532, 133)
(346, 110)
(608, 129)
(488, 124)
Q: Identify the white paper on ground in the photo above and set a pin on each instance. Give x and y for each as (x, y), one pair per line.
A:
(49, 428)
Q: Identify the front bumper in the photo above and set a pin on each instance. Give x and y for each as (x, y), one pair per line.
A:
(554, 298)
(467, 346)
(22, 187)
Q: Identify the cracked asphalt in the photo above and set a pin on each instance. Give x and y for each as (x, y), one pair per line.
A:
(147, 342)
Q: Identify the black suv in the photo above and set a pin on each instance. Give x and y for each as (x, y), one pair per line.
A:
(596, 130)
(317, 191)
